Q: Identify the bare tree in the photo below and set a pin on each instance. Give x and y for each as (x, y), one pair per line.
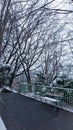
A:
(27, 28)
(32, 47)
(23, 43)
(4, 21)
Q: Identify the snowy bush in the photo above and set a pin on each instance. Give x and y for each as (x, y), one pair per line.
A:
(4, 74)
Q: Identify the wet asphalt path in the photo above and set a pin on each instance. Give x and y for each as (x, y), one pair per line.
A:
(22, 113)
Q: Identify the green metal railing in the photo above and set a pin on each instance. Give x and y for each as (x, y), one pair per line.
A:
(42, 90)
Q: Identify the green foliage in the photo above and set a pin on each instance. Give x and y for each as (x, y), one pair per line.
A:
(65, 82)
(40, 78)
(4, 74)
(68, 97)
(68, 83)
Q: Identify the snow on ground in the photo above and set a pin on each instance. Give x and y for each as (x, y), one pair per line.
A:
(2, 125)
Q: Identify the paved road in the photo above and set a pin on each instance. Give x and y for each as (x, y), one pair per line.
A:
(22, 113)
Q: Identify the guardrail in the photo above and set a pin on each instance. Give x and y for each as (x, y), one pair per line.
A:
(42, 90)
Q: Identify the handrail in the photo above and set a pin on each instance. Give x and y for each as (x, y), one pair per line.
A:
(38, 90)
(48, 86)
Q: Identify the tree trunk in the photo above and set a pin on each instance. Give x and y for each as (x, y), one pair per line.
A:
(11, 80)
(28, 76)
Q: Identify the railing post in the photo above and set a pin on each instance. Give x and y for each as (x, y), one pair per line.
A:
(33, 88)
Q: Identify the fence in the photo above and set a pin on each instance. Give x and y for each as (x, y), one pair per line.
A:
(42, 90)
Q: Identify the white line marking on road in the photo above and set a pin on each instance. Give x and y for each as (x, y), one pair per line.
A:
(2, 126)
